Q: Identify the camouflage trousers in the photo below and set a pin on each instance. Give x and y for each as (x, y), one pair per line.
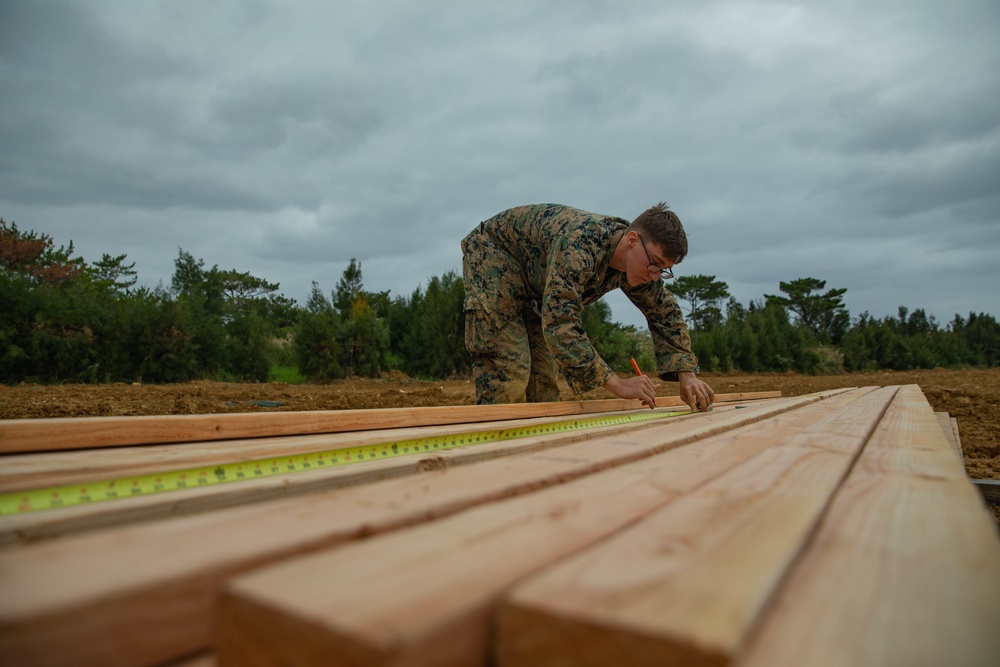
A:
(511, 362)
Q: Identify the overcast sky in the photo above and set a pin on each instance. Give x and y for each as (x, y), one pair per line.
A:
(857, 142)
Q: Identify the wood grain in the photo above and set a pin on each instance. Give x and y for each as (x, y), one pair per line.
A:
(685, 585)
(43, 469)
(28, 471)
(905, 569)
(64, 521)
(949, 427)
(36, 435)
(425, 595)
(144, 594)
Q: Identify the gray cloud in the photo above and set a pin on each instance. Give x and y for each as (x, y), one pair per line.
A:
(853, 142)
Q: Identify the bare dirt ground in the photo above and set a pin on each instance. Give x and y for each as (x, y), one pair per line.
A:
(970, 396)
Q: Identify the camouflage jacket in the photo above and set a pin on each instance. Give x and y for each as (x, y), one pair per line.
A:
(564, 257)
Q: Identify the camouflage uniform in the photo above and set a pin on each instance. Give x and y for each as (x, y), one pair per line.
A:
(528, 273)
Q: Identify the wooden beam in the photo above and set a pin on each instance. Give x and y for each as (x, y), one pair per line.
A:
(685, 585)
(68, 467)
(43, 469)
(36, 435)
(989, 489)
(29, 471)
(144, 594)
(958, 439)
(425, 595)
(949, 427)
(905, 569)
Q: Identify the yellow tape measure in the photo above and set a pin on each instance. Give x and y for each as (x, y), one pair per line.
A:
(129, 487)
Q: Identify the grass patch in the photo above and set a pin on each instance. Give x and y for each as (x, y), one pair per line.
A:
(286, 374)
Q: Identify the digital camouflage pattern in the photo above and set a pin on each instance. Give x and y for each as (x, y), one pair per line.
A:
(528, 273)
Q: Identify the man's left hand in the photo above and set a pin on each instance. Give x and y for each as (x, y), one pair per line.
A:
(695, 392)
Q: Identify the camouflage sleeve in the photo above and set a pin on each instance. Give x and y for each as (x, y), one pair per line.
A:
(671, 339)
(562, 317)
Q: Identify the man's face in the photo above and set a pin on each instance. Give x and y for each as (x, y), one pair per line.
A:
(648, 262)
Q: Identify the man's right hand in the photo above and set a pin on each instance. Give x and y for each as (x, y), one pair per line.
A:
(639, 386)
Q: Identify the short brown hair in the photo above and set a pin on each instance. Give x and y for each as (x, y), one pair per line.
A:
(662, 226)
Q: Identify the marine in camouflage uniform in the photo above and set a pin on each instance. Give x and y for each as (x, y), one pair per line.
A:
(528, 273)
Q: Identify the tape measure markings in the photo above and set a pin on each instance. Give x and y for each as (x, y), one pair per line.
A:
(21, 502)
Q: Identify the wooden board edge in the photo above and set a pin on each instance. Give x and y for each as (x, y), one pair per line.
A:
(57, 434)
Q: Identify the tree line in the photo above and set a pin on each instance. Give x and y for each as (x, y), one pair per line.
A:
(63, 319)
(807, 329)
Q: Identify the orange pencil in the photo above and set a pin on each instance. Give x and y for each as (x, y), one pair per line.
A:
(636, 367)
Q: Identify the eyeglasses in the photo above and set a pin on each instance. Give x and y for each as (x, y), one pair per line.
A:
(653, 268)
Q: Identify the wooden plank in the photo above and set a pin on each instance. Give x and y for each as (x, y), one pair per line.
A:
(28, 471)
(64, 521)
(958, 438)
(425, 595)
(685, 585)
(905, 569)
(77, 467)
(43, 469)
(144, 594)
(949, 427)
(35, 435)
(989, 489)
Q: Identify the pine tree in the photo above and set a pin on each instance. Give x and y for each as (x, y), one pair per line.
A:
(704, 295)
(822, 313)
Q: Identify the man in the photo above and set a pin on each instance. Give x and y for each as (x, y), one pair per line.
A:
(528, 273)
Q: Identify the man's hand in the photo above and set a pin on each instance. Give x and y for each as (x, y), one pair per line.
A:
(639, 386)
(696, 393)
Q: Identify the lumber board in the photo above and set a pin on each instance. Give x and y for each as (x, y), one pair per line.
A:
(27, 471)
(958, 438)
(989, 489)
(71, 467)
(35, 435)
(42, 469)
(426, 595)
(905, 568)
(144, 594)
(949, 427)
(686, 584)
(65, 521)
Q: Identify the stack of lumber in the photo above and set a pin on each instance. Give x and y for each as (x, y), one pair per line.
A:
(837, 528)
